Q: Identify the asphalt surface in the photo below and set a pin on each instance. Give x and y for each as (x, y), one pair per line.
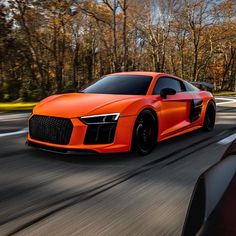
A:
(50, 194)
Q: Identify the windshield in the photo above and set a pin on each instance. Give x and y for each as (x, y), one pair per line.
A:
(121, 84)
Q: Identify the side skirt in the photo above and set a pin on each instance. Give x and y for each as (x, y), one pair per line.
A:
(180, 132)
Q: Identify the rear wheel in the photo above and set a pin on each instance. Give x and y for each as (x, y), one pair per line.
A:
(145, 132)
(210, 116)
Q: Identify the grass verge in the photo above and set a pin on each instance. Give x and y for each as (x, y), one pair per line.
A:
(224, 93)
(19, 106)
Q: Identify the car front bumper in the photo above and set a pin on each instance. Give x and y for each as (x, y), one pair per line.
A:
(121, 143)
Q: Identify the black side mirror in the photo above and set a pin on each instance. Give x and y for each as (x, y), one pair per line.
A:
(167, 91)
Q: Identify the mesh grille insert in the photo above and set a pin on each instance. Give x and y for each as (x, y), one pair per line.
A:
(50, 129)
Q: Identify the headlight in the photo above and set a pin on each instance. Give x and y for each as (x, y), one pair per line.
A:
(100, 119)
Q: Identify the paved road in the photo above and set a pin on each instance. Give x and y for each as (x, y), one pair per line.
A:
(49, 194)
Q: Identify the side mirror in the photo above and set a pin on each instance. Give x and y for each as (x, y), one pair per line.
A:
(167, 91)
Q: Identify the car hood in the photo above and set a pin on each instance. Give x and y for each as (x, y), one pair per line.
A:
(81, 104)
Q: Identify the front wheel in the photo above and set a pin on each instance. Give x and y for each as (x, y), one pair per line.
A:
(210, 116)
(145, 132)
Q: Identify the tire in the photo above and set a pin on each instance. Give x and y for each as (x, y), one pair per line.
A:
(210, 116)
(145, 133)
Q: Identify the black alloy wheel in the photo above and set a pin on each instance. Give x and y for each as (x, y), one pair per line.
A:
(145, 132)
(210, 116)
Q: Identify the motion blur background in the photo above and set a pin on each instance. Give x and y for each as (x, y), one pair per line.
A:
(49, 47)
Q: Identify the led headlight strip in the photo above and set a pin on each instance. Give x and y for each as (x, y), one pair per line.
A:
(100, 119)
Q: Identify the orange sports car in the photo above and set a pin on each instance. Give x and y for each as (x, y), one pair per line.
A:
(121, 112)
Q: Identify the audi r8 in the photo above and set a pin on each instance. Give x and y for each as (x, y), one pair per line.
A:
(119, 113)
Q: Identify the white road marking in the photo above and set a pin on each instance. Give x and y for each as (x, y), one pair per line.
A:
(23, 131)
(228, 100)
(228, 139)
(220, 103)
(13, 117)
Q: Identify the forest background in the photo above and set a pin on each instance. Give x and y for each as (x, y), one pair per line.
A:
(58, 46)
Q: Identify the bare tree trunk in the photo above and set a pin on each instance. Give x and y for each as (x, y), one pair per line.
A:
(124, 7)
(75, 65)
(1, 79)
(182, 55)
(195, 63)
(116, 64)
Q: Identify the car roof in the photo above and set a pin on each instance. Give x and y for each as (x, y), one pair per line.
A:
(147, 73)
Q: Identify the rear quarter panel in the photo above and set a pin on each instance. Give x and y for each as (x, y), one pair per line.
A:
(206, 97)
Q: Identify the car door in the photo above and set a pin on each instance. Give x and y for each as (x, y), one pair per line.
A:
(174, 109)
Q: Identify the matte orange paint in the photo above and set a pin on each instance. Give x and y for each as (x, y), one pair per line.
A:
(172, 114)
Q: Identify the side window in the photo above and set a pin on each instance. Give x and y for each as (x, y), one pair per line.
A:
(190, 87)
(165, 82)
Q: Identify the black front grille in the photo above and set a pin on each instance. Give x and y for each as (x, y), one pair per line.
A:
(50, 129)
(100, 134)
